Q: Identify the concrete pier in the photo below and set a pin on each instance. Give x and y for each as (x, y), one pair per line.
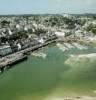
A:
(6, 61)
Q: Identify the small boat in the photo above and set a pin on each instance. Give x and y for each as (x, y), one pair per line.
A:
(79, 46)
(68, 45)
(62, 47)
(39, 54)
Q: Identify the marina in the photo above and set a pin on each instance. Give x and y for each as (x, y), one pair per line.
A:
(68, 46)
(78, 46)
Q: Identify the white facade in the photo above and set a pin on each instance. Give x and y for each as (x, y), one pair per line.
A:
(10, 32)
(60, 34)
(19, 46)
(17, 26)
(41, 40)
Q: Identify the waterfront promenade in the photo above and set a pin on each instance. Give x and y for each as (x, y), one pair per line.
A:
(6, 61)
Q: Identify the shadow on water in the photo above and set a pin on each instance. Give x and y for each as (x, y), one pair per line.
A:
(6, 68)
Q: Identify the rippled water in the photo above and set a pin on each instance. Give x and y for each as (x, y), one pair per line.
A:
(37, 78)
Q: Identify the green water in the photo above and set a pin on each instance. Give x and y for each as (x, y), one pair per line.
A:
(37, 78)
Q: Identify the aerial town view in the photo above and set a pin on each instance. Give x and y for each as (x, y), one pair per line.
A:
(48, 55)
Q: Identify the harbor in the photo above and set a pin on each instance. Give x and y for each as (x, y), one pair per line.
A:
(58, 76)
(48, 56)
(8, 60)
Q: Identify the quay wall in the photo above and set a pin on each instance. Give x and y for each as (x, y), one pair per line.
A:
(8, 60)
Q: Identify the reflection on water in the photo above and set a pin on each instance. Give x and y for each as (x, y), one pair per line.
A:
(37, 78)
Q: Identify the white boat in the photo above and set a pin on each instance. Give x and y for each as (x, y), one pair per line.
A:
(68, 45)
(61, 47)
(39, 54)
(79, 46)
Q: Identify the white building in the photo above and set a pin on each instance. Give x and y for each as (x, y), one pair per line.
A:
(60, 34)
(41, 40)
(10, 32)
(78, 33)
(19, 46)
(17, 26)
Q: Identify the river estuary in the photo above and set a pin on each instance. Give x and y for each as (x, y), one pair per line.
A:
(57, 75)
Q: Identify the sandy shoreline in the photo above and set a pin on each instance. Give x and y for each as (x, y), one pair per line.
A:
(71, 98)
(91, 55)
(81, 58)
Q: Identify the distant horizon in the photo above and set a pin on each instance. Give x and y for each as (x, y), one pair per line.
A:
(47, 14)
(18, 7)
